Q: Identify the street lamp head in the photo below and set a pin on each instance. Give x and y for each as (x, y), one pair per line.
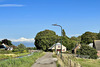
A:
(54, 24)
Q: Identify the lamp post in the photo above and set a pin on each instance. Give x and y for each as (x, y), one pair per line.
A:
(61, 36)
(55, 47)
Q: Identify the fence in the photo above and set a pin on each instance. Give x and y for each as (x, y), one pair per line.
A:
(67, 62)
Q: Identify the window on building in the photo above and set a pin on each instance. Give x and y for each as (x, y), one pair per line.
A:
(58, 46)
(63, 49)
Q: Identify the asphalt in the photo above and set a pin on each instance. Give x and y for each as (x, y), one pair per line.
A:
(46, 61)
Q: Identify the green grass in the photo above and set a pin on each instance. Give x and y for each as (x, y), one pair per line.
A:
(6, 56)
(3, 51)
(21, 62)
(88, 62)
(22, 54)
(84, 62)
(58, 65)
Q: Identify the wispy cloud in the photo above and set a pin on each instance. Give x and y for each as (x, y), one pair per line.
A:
(22, 39)
(11, 5)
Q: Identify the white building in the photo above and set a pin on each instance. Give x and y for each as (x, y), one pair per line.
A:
(57, 46)
(6, 47)
(91, 44)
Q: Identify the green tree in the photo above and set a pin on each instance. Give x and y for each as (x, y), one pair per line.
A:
(45, 39)
(21, 46)
(74, 38)
(88, 37)
(31, 48)
(0, 42)
(87, 50)
(69, 44)
(65, 41)
(98, 35)
(77, 39)
(7, 42)
(63, 33)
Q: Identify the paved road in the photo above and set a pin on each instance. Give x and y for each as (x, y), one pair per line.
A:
(45, 61)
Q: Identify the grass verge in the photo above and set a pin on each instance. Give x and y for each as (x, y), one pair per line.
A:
(21, 62)
(85, 62)
(6, 56)
(88, 62)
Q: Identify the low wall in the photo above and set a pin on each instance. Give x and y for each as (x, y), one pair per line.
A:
(68, 62)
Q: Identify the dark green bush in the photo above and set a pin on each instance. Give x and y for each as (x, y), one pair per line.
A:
(15, 50)
(20, 50)
(86, 50)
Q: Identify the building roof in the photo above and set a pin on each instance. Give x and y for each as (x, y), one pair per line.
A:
(54, 45)
(6, 46)
(97, 44)
(76, 46)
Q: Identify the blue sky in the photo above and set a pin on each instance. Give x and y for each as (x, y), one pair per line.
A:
(25, 18)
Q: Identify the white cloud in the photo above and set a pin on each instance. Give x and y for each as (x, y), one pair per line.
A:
(22, 39)
(11, 5)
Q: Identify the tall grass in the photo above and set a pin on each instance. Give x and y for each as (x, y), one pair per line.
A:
(88, 62)
(6, 56)
(21, 62)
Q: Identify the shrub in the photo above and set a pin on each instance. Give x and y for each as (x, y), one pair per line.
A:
(86, 50)
(5, 51)
(15, 50)
(20, 50)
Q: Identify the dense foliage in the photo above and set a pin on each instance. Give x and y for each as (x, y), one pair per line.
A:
(88, 37)
(77, 39)
(98, 36)
(68, 43)
(21, 46)
(7, 42)
(20, 49)
(31, 48)
(45, 39)
(86, 50)
(63, 33)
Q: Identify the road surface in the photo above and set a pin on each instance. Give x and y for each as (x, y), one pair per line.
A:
(45, 61)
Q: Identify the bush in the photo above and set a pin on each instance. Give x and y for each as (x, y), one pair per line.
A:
(20, 50)
(86, 50)
(15, 50)
(5, 51)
